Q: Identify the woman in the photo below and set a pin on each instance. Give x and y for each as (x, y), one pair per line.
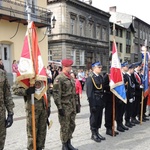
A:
(14, 70)
(78, 92)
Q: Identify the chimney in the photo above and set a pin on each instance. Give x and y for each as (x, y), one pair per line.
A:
(112, 9)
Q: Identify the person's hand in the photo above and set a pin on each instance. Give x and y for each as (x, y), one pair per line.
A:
(93, 109)
(61, 112)
(9, 120)
(48, 111)
(141, 86)
(30, 90)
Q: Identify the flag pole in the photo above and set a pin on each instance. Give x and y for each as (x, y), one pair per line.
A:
(32, 82)
(113, 120)
(142, 100)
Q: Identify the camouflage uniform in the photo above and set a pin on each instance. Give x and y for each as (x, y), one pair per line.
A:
(6, 103)
(64, 97)
(40, 118)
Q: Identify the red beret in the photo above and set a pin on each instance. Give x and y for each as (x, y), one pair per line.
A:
(67, 62)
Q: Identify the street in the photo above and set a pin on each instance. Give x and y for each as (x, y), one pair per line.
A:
(136, 138)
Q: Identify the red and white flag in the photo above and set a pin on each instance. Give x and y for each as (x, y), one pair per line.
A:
(31, 66)
(116, 78)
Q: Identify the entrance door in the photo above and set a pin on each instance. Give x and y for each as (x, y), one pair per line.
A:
(5, 56)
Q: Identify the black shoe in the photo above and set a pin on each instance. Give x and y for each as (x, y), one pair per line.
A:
(145, 118)
(133, 124)
(95, 138)
(110, 132)
(39, 148)
(70, 146)
(65, 146)
(119, 128)
(125, 128)
(128, 124)
(135, 121)
(101, 137)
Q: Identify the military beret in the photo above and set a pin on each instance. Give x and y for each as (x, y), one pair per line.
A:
(124, 64)
(96, 64)
(66, 62)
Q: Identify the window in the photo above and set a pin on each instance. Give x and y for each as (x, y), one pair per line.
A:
(104, 34)
(50, 55)
(98, 32)
(82, 58)
(120, 47)
(111, 44)
(120, 32)
(128, 49)
(91, 30)
(72, 26)
(128, 35)
(116, 32)
(82, 24)
(73, 56)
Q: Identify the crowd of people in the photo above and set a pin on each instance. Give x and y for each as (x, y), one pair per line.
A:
(66, 86)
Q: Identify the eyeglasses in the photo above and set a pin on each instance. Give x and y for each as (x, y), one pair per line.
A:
(100, 67)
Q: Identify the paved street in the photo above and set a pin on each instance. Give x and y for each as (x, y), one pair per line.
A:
(136, 138)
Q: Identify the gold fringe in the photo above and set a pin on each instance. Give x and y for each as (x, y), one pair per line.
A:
(99, 88)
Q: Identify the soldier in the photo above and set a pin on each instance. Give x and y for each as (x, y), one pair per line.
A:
(108, 98)
(64, 97)
(94, 93)
(120, 105)
(41, 114)
(130, 97)
(6, 103)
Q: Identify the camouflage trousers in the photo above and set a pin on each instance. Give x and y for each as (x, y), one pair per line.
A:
(41, 128)
(67, 123)
(2, 129)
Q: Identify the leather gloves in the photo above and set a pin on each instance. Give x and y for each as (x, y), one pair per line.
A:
(93, 109)
(48, 111)
(61, 112)
(9, 120)
(30, 90)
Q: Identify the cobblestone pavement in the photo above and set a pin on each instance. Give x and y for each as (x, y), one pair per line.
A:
(136, 138)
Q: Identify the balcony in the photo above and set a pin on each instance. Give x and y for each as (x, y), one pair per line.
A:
(15, 11)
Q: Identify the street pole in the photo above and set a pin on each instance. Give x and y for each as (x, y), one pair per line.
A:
(32, 81)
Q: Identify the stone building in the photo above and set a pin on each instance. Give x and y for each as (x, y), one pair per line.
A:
(81, 33)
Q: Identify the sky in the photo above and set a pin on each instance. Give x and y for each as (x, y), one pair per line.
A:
(140, 9)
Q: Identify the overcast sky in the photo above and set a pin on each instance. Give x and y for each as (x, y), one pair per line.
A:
(132, 7)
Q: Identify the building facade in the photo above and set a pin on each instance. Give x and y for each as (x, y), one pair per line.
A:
(13, 26)
(137, 33)
(81, 33)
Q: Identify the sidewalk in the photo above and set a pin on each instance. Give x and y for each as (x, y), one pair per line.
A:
(136, 138)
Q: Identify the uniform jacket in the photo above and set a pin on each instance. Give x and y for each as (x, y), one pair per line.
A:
(94, 95)
(64, 90)
(5, 94)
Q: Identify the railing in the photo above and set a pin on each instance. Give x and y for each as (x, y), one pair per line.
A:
(18, 10)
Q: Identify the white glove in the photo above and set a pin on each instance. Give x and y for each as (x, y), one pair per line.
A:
(131, 100)
(141, 86)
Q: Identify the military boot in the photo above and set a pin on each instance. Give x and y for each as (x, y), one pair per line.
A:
(39, 148)
(101, 137)
(65, 146)
(70, 146)
(95, 137)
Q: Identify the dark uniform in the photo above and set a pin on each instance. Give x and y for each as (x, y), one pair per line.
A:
(130, 99)
(95, 96)
(121, 106)
(138, 94)
(108, 99)
(6, 103)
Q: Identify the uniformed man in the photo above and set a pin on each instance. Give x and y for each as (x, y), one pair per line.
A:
(42, 112)
(108, 98)
(138, 92)
(94, 91)
(130, 97)
(64, 97)
(120, 105)
(6, 103)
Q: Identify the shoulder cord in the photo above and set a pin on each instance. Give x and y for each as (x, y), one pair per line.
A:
(96, 85)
